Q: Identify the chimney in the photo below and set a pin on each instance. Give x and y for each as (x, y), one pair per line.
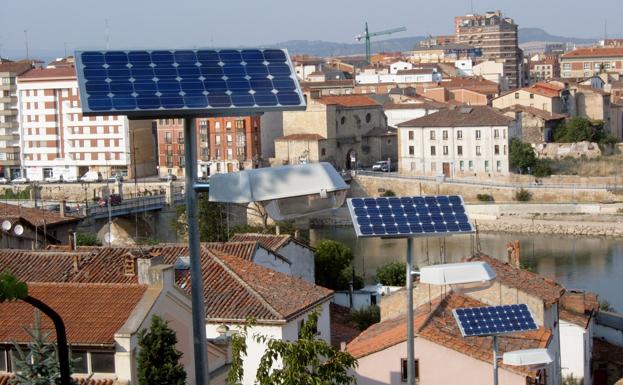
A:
(514, 254)
(76, 261)
(62, 208)
(129, 265)
(71, 238)
(143, 266)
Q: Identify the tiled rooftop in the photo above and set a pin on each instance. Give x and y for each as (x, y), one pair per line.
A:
(270, 241)
(348, 101)
(594, 52)
(37, 217)
(474, 116)
(49, 73)
(92, 312)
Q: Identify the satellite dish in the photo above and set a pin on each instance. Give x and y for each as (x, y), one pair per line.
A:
(108, 238)
(6, 225)
(18, 230)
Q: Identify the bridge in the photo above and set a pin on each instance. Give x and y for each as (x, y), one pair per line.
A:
(128, 207)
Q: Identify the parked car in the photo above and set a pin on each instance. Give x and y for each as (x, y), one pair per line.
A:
(168, 178)
(20, 180)
(383, 166)
(4, 180)
(53, 179)
(115, 178)
(91, 176)
(57, 208)
(115, 200)
(70, 179)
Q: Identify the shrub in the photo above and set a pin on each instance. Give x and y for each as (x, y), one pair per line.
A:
(521, 156)
(389, 193)
(392, 274)
(542, 168)
(523, 195)
(485, 197)
(363, 318)
(87, 239)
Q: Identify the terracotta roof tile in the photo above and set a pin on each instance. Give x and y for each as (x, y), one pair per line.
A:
(529, 282)
(543, 114)
(349, 101)
(578, 307)
(37, 217)
(49, 73)
(311, 137)
(594, 52)
(270, 241)
(342, 330)
(474, 116)
(15, 67)
(5, 379)
(92, 312)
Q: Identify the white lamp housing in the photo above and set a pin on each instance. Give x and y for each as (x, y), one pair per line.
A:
(463, 277)
(6, 225)
(535, 358)
(286, 192)
(18, 230)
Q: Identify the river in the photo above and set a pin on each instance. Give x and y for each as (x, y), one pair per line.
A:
(592, 264)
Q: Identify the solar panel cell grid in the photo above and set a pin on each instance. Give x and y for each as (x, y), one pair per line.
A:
(140, 82)
(409, 216)
(494, 320)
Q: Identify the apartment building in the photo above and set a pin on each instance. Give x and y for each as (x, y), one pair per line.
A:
(586, 62)
(496, 36)
(546, 69)
(225, 144)
(464, 141)
(57, 141)
(9, 127)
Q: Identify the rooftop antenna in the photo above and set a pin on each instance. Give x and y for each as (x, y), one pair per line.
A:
(65, 48)
(471, 5)
(107, 33)
(26, 42)
(605, 31)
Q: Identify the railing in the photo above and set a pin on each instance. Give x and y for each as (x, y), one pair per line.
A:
(569, 186)
(128, 206)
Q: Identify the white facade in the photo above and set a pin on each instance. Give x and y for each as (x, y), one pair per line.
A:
(576, 346)
(268, 259)
(454, 151)
(287, 331)
(302, 259)
(399, 66)
(464, 67)
(383, 76)
(55, 138)
(493, 71)
(406, 112)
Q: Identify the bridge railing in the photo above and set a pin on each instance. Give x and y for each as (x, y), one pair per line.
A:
(132, 204)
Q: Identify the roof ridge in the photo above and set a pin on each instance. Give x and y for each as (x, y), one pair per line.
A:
(215, 256)
(79, 284)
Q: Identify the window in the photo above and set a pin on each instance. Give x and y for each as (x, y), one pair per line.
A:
(432, 135)
(230, 139)
(487, 165)
(478, 150)
(80, 365)
(403, 370)
(217, 126)
(531, 96)
(496, 133)
(432, 150)
(411, 135)
(459, 150)
(168, 137)
(445, 150)
(230, 153)
(411, 150)
(168, 149)
(241, 152)
(180, 137)
(462, 165)
(516, 95)
(205, 152)
(444, 135)
(102, 362)
(498, 165)
(368, 117)
(217, 139)
(169, 161)
(496, 149)
(587, 66)
(228, 125)
(343, 120)
(241, 140)
(478, 136)
(504, 149)
(3, 361)
(240, 124)
(323, 152)
(459, 135)
(181, 161)
(471, 165)
(504, 133)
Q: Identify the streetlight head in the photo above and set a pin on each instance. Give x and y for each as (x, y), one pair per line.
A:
(285, 192)
(463, 277)
(534, 358)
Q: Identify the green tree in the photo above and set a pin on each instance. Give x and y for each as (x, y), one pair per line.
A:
(306, 361)
(87, 239)
(579, 129)
(523, 195)
(521, 156)
(388, 193)
(158, 360)
(363, 318)
(11, 288)
(212, 220)
(333, 265)
(392, 274)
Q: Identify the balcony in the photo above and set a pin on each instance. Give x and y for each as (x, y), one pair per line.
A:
(9, 136)
(8, 99)
(9, 125)
(8, 112)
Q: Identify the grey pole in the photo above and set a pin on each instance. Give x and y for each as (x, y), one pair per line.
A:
(495, 360)
(410, 331)
(198, 305)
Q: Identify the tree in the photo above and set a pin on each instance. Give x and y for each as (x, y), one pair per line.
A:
(333, 265)
(87, 239)
(11, 288)
(579, 129)
(363, 318)
(158, 360)
(38, 363)
(521, 156)
(388, 193)
(306, 361)
(212, 217)
(392, 274)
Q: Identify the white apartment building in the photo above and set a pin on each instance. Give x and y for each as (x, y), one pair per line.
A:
(466, 141)
(58, 141)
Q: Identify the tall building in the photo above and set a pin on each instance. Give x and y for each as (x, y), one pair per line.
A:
(496, 36)
(225, 144)
(9, 127)
(57, 141)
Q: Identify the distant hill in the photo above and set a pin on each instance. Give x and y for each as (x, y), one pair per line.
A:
(527, 35)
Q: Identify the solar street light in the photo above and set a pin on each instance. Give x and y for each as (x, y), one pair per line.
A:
(192, 83)
(285, 192)
(534, 358)
(411, 217)
(461, 277)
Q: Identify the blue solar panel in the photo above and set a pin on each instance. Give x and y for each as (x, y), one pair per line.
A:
(401, 217)
(494, 320)
(186, 82)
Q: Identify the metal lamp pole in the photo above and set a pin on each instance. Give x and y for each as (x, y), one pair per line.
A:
(410, 326)
(198, 306)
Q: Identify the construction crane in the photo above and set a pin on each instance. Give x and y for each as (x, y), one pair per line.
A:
(367, 35)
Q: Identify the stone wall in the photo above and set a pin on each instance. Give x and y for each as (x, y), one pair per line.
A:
(577, 150)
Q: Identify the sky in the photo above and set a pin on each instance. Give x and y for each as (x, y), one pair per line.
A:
(56, 26)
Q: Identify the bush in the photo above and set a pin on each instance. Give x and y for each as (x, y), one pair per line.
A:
(9, 194)
(542, 168)
(363, 318)
(579, 129)
(485, 197)
(521, 156)
(392, 274)
(523, 195)
(388, 193)
(87, 239)
(333, 266)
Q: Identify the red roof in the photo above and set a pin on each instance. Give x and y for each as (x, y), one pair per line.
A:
(15, 67)
(37, 217)
(594, 52)
(92, 313)
(49, 73)
(349, 101)
(270, 241)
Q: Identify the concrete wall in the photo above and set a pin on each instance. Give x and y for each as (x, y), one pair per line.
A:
(572, 349)
(267, 259)
(302, 258)
(613, 336)
(293, 151)
(524, 99)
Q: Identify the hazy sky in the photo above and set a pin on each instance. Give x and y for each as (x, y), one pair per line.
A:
(52, 24)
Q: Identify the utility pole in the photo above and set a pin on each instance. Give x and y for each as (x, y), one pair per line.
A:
(26, 43)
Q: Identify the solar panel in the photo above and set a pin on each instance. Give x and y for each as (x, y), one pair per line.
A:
(494, 320)
(152, 83)
(402, 217)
